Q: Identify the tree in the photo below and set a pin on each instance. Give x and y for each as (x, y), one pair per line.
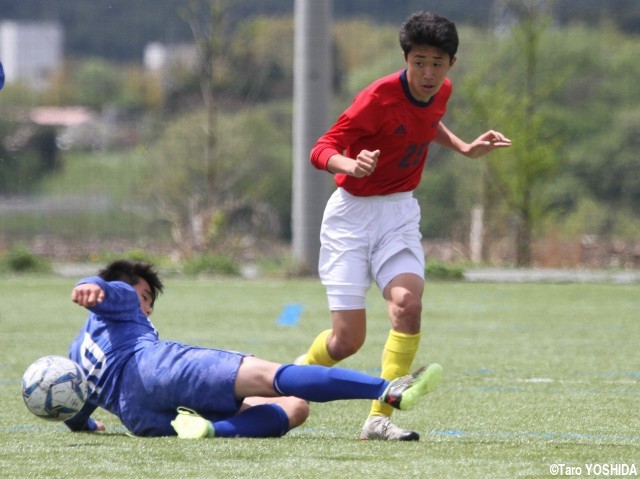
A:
(262, 46)
(209, 180)
(249, 203)
(202, 198)
(509, 94)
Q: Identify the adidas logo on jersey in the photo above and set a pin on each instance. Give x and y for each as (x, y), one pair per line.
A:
(401, 130)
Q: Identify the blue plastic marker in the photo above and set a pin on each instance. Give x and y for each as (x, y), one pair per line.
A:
(1, 76)
(290, 315)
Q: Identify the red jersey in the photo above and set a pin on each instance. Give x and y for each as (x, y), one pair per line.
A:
(384, 116)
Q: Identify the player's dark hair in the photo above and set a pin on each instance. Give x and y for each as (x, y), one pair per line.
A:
(130, 272)
(428, 28)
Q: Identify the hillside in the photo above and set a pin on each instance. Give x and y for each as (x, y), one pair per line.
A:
(119, 29)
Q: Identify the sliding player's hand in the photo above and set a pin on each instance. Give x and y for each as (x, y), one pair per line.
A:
(87, 295)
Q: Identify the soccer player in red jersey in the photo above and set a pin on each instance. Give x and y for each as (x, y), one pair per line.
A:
(370, 231)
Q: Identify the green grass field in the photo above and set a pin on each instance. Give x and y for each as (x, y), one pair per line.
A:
(536, 375)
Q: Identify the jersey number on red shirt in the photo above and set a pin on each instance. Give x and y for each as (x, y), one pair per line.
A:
(413, 155)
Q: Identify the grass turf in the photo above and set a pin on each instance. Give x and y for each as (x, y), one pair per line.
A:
(535, 375)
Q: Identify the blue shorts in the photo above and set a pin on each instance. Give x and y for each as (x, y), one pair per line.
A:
(166, 375)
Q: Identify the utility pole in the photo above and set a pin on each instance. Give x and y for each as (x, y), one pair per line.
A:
(313, 71)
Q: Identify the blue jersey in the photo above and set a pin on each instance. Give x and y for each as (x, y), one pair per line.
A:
(113, 332)
(141, 379)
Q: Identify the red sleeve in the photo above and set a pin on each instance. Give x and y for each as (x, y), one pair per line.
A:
(359, 120)
(320, 155)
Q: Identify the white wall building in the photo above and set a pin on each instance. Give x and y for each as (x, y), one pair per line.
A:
(158, 56)
(30, 51)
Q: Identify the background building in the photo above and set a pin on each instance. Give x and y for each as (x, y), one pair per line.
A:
(30, 51)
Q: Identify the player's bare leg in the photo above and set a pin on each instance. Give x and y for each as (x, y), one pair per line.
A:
(404, 304)
(349, 329)
(345, 338)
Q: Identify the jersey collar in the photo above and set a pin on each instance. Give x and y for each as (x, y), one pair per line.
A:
(407, 92)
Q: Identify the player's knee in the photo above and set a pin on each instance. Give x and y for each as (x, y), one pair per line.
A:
(412, 308)
(344, 346)
(297, 410)
(406, 314)
(409, 306)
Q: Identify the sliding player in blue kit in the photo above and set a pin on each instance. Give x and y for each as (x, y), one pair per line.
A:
(164, 388)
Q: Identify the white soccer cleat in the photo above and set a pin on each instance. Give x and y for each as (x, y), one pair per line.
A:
(381, 428)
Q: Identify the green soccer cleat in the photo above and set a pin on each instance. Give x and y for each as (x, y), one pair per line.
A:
(403, 393)
(190, 425)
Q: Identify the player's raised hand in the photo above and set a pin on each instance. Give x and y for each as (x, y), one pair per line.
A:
(366, 163)
(487, 142)
(87, 294)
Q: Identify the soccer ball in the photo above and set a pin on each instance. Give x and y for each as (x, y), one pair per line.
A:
(54, 388)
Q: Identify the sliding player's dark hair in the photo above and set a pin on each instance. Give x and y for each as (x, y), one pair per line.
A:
(130, 272)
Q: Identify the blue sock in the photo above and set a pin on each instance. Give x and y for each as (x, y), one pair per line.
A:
(264, 420)
(322, 384)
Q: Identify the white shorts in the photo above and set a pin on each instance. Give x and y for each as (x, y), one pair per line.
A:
(366, 239)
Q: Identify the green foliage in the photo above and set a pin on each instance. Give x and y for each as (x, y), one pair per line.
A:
(571, 143)
(518, 176)
(18, 172)
(442, 208)
(608, 164)
(436, 270)
(590, 217)
(257, 47)
(98, 83)
(27, 154)
(599, 117)
(93, 199)
(101, 84)
(106, 198)
(251, 169)
(136, 254)
(582, 145)
(354, 68)
(19, 259)
(211, 264)
(120, 29)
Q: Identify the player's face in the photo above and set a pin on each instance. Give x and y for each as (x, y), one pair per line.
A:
(427, 69)
(144, 295)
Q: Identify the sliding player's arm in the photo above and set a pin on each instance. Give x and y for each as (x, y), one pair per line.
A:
(83, 422)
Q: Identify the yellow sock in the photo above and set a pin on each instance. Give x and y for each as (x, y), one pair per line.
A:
(397, 356)
(318, 352)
